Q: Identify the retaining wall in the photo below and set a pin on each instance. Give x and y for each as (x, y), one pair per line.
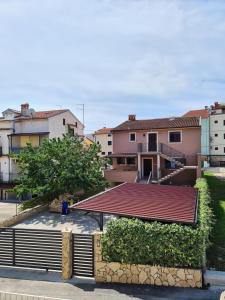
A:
(115, 272)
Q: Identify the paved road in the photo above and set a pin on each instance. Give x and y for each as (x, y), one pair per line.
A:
(7, 210)
(50, 284)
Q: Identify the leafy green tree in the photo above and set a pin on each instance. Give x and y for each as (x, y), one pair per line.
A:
(59, 166)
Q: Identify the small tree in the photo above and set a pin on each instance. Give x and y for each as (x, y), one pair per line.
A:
(59, 166)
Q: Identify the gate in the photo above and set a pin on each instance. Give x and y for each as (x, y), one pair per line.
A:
(83, 255)
(31, 248)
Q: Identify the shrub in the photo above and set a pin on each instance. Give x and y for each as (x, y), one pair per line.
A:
(172, 245)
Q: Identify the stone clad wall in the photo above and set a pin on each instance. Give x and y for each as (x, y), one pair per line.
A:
(143, 274)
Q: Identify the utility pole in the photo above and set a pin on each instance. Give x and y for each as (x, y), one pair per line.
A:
(82, 104)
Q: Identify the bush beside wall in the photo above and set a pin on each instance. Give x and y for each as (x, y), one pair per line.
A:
(173, 245)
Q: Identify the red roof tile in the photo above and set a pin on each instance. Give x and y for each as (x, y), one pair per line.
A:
(158, 124)
(203, 113)
(103, 130)
(153, 202)
(43, 114)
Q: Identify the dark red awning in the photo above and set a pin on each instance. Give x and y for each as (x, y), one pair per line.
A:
(146, 201)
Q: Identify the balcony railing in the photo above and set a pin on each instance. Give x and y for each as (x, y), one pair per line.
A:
(146, 147)
(16, 149)
(9, 177)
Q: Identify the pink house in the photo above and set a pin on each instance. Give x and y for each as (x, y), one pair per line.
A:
(158, 150)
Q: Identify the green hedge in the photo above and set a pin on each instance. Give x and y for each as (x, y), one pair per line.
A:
(155, 243)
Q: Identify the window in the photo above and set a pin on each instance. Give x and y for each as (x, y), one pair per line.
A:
(76, 124)
(109, 134)
(223, 149)
(109, 143)
(64, 121)
(109, 153)
(169, 164)
(224, 136)
(216, 148)
(131, 161)
(71, 131)
(98, 142)
(121, 160)
(216, 121)
(216, 134)
(175, 136)
(132, 137)
(103, 153)
(223, 122)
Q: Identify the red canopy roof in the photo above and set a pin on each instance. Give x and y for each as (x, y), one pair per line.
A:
(146, 201)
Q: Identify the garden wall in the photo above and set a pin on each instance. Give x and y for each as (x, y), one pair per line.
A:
(115, 272)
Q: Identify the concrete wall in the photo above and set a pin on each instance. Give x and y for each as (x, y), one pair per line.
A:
(57, 129)
(143, 274)
(31, 125)
(120, 176)
(190, 145)
(23, 215)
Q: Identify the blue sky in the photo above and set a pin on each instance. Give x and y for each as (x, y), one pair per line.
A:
(152, 58)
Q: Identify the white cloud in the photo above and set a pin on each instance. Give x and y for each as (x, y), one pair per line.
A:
(151, 57)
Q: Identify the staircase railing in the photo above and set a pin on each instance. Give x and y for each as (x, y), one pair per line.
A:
(149, 177)
(137, 177)
(167, 150)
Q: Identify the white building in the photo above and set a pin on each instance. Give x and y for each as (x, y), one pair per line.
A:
(17, 128)
(103, 137)
(217, 134)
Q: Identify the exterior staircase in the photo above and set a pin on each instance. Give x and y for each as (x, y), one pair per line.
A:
(171, 154)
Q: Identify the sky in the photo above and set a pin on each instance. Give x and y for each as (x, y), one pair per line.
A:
(117, 57)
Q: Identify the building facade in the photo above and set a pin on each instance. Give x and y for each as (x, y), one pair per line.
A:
(157, 151)
(217, 134)
(17, 128)
(103, 137)
(212, 120)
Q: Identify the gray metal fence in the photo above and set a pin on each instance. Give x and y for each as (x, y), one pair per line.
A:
(31, 248)
(83, 255)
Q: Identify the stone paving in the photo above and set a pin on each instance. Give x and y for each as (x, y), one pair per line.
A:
(78, 221)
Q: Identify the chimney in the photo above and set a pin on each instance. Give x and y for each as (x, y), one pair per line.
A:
(24, 109)
(132, 117)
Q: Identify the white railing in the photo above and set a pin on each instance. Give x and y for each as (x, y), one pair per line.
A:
(149, 177)
(137, 177)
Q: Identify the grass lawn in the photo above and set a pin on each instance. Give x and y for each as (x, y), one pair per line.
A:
(216, 252)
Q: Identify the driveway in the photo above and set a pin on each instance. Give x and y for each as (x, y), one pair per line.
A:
(78, 221)
(7, 209)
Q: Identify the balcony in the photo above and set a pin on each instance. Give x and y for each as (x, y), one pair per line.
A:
(16, 150)
(9, 177)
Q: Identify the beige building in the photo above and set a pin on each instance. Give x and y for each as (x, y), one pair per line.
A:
(17, 128)
(103, 137)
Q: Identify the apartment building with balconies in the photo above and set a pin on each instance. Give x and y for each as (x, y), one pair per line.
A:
(17, 128)
(157, 150)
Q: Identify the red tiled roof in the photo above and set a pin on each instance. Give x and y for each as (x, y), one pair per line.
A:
(103, 130)
(203, 113)
(158, 124)
(153, 202)
(44, 114)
